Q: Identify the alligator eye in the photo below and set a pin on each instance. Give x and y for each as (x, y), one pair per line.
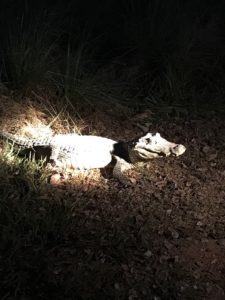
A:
(148, 141)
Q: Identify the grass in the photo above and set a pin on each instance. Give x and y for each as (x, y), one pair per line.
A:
(30, 172)
(176, 70)
(30, 223)
(28, 53)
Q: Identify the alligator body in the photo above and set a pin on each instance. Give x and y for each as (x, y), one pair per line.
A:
(90, 152)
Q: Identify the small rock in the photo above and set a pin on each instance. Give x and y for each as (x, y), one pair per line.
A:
(199, 223)
(206, 149)
(167, 244)
(117, 286)
(214, 261)
(148, 253)
(195, 287)
(174, 233)
(202, 169)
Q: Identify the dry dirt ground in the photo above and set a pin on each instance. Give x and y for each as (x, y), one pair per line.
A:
(162, 238)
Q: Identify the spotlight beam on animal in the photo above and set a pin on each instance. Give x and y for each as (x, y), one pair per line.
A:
(91, 152)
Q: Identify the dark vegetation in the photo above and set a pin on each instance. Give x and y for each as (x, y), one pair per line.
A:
(166, 56)
(96, 67)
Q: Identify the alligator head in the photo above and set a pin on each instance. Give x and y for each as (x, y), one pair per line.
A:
(153, 145)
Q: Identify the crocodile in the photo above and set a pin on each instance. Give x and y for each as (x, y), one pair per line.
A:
(90, 152)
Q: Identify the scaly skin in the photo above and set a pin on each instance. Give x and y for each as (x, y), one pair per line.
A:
(90, 152)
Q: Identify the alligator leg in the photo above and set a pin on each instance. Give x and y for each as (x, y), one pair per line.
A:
(121, 166)
(54, 157)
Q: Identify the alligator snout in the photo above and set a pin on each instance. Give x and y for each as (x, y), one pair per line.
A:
(155, 146)
(178, 150)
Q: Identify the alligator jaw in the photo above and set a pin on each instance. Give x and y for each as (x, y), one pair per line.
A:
(148, 154)
(144, 154)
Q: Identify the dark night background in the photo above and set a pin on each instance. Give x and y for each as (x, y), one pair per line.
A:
(163, 53)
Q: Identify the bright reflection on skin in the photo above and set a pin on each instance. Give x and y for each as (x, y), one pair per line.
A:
(90, 152)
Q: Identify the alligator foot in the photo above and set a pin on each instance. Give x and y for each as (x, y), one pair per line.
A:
(121, 166)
